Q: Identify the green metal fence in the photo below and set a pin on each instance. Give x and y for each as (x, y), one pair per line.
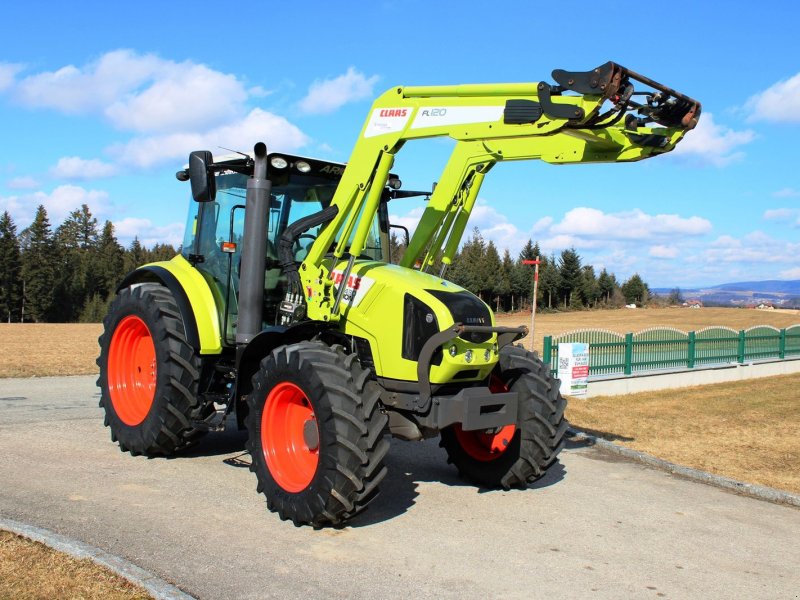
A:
(661, 348)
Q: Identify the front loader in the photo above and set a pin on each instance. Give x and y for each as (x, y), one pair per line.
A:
(283, 309)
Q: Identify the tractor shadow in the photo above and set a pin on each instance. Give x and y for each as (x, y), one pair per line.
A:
(408, 464)
(219, 443)
(412, 463)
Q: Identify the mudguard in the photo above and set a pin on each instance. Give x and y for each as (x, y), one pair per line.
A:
(193, 296)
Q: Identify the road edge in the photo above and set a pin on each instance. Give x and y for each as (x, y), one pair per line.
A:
(752, 490)
(157, 587)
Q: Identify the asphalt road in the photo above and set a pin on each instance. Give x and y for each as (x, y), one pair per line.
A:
(594, 527)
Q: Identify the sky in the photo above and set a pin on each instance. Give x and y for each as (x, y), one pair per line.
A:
(100, 103)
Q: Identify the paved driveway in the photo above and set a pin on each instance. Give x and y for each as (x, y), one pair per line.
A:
(595, 527)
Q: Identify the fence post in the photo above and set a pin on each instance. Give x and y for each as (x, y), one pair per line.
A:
(628, 353)
(782, 345)
(548, 352)
(690, 356)
(740, 352)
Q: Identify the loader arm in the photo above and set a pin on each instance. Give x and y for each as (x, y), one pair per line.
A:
(585, 117)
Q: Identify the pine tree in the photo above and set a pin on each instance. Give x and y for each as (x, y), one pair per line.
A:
(39, 269)
(548, 280)
(108, 261)
(505, 287)
(490, 271)
(569, 275)
(590, 287)
(135, 256)
(635, 290)
(466, 270)
(397, 248)
(606, 285)
(75, 248)
(10, 270)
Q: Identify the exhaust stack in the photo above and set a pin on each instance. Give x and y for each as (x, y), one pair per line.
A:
(254, 249)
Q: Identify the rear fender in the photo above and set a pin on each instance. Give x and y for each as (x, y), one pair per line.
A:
(193, 297)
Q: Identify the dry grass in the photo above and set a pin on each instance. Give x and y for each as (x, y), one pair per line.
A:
(747, 430)
(629, 320)
(32, 571)
(30, 349)
(38, 350)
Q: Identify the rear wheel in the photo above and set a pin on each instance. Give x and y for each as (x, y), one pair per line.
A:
(149, 374)
(315, 434)
(519, 454)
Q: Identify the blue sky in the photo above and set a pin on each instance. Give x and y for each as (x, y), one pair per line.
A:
(100, 103)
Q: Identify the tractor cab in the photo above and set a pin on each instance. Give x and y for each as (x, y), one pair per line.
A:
(214, 235)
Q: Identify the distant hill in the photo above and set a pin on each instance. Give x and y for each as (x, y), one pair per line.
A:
(780, 293)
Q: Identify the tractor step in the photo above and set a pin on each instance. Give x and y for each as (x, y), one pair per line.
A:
(213, 422)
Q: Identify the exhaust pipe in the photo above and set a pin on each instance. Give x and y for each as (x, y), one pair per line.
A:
(254, 249)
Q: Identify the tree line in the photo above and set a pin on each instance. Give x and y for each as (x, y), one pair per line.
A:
(68, 274)
(565, 281)
(71, 273)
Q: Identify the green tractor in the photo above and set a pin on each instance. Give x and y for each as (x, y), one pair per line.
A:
(285, 311)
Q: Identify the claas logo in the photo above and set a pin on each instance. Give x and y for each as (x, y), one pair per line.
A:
(393, 112)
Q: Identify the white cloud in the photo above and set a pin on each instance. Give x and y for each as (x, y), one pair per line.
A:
(258, 125)
(756, 248)
(139, 92)
(326, 96)
(786, 192)
(587, 222)
(662, 251)
(783, 214)
(74, 167)
(410, 220)
(780, 103)
(542, 224)
(91, 88)
(22, 183)
(710, 143)
(791, 273)
(58, 203)
(8, 72)
(184, 96)
(148, 233)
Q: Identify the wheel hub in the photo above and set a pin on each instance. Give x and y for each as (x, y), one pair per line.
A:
(290, 437)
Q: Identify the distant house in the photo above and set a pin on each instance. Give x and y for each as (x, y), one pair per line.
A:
(765, 306)
(693, 304)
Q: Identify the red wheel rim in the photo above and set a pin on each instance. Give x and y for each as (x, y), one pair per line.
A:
(132, 370)
(290, 437)
(482, 445)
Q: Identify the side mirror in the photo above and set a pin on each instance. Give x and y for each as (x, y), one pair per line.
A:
(204, 185)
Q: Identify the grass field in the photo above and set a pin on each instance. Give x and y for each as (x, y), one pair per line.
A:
(49, 574)
(747, 430)
(31, 349)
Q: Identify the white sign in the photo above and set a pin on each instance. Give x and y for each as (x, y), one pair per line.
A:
(355, 289)
(456, 115)
(573, 368)
(387, 120)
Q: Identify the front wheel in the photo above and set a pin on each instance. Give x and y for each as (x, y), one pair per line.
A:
(315, 434)
(515, 455)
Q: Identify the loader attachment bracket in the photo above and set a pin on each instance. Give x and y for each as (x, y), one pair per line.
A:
(663, 104)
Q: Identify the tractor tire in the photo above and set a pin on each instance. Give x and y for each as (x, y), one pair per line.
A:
(149, 374)
(517, 455)
(315, 434)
